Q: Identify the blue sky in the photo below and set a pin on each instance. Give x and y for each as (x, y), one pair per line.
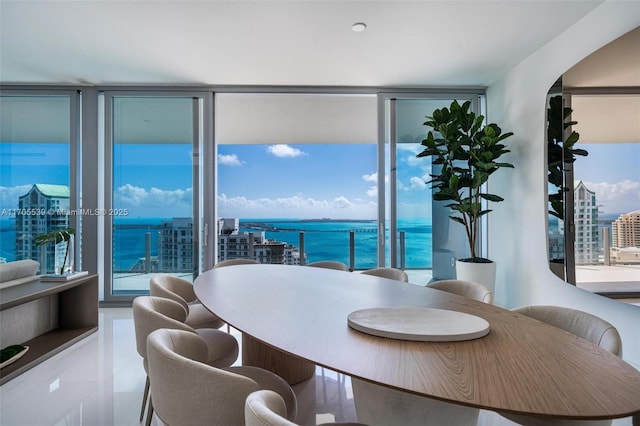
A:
(294, 181)
(298, 181)
(612, 171)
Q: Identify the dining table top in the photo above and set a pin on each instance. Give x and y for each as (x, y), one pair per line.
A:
(521, 366)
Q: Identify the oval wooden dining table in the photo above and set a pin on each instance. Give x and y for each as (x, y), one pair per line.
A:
(521, 366)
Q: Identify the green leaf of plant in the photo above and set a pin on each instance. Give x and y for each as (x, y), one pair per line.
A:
(492, 197)
(457, 219)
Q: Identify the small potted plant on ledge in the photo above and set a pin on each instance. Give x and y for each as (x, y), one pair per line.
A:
(467, 151)
(57, 236)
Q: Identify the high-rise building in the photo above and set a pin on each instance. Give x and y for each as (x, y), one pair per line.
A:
(42, 209)
(586, 224)
(175, 246)
(587, 242)
(271, 252)
(556, 239)
(292, 255)
(233, 244)
(175, 241)
(228, 225)
(626, 230)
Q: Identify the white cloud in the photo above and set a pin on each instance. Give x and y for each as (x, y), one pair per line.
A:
(296, 206)
(229, 160)
(372, 191)
(619, 197)
(373, 177)
(410, 147)
(412, 160)
(342, 203)
(154, 202)
(9, 197)
(129, 195)
(417, 183)
(284, 150)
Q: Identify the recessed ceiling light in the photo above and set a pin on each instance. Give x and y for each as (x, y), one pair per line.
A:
(359, 27)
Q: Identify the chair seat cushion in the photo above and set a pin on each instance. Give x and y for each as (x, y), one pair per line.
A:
(201, 317)
(268, 380)
(223, 347)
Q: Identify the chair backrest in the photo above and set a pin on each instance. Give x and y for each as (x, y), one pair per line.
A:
(186, 391)
(174, 288)
(265, 408)
(152, 313)
(391, 273)
(579, 323)
(329, 264)
(231, 262)
(469, 289)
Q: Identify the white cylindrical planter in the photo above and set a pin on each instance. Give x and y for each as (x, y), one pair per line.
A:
(483, 273)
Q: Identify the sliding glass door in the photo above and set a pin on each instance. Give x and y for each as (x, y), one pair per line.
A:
(417, 231)
(152, 214)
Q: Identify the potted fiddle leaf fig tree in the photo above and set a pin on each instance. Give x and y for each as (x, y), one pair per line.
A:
(57, 236)
(467, 152)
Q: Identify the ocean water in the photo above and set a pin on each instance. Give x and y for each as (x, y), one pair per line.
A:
(7, 239)
(323, 239)
(329, 239)
(130, 240)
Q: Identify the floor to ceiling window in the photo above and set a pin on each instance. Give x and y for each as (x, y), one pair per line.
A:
(298, 173)
(417, 231)
(38, 145)
(153, 167)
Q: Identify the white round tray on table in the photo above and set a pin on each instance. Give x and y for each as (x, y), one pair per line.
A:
(418, 324)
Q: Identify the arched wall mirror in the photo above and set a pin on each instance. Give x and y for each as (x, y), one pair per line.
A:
(593, 152)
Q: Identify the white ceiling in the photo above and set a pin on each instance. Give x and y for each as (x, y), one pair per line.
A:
(407, 43)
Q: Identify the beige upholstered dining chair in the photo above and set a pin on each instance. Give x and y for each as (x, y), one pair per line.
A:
(267, 408)
(391, 273)
(152, 313)
(469, 289)
(329, 264)
(181, 291)
(186, 391)
(582, 324)
(231, 262)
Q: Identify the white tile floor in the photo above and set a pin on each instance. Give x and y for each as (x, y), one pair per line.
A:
(99, 382)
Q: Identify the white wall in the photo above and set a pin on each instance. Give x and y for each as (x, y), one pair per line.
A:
(517, 227)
